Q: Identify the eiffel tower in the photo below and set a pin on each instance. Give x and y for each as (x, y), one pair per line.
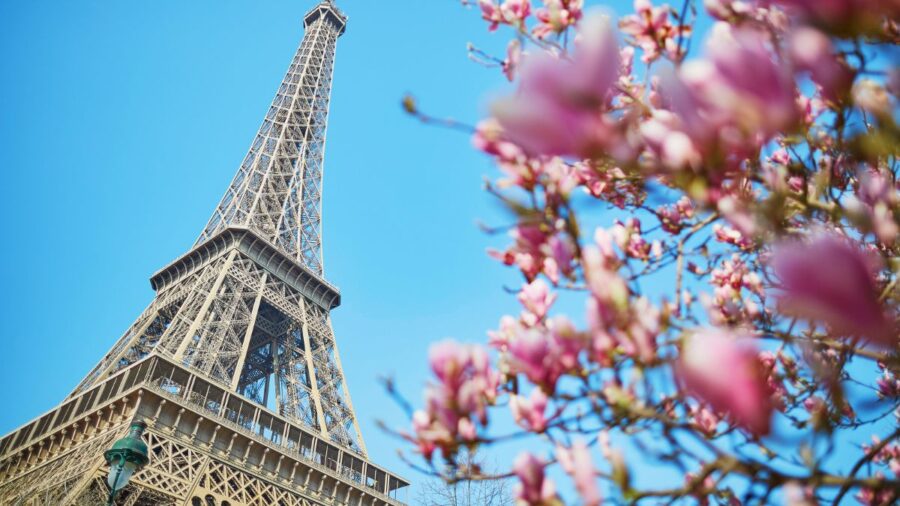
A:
(234, 365)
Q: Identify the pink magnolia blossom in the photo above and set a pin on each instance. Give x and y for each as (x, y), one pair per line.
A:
(526, 253)
(513, 59)
(558, 108)
(491, 13)
(732, 236)
(530, 413)
(724, 371)
(888, 385)
(877, 198)
(652, 31)
(705, 420)
(556, 16)
(813, 52)
(544, 355)
(576, 462)
(489, 138)
(510, 12)
(845, 296)
(537, 299)
(877, 497)
(673, 217)
(628, 238)
(534, 488)
(516, 11)
(726, 105)
(726, 9)
(466, 385)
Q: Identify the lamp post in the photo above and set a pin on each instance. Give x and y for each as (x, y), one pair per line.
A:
(127, 456)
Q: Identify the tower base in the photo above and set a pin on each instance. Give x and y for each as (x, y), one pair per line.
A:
(207, 447)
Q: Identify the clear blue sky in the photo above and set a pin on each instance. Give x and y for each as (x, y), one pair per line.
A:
(121, 124)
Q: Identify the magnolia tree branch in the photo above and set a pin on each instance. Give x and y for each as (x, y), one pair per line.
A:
(732, 235)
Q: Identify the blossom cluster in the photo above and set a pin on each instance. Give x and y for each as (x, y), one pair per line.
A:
(741, 291)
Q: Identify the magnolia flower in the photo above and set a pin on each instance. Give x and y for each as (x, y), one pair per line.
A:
(544, 355)
(651, 30)
(534, 488)
(576, 461)
(724, 371)
(466, 385)
(845, 296)
(557, 110)
(726, 105)
(725, 9)
(556, 16)
(813, 52)
(529, 413)
(537, 299)
(513, 59)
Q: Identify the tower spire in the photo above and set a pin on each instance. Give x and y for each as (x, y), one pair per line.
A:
(277, 190)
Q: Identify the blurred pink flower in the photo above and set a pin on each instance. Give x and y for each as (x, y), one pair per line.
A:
(576, 462)
(705, 420)
(491, 13)
(543, 355)
(727, 105)
(726, 9)
(724, 371)
(558, 108)
(845, 296)
(812, 51)
(489, 138)
(513, 59)
(530, 413)
(516, 11)
(466, 386)
(537, 299)
(534, 488)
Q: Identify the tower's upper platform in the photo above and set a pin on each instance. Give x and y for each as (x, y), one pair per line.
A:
(329, 9)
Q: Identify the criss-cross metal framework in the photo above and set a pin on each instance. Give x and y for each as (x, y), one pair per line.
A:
(244, 314)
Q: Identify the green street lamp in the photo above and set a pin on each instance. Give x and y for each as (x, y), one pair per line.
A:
(127, 456)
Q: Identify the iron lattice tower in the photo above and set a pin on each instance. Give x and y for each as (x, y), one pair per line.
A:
(234, 364)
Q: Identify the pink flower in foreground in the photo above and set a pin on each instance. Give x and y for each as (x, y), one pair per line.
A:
(833, 281)
(725, 9)
(705, 420)
(534, 488)
(516, 11)
(529, 413)
(466, 386)
(724, 371)
(537, 299)
(491, 13)
(558, 108)
(813, 52)
(544, 355)
(576, 461)
(727, 105)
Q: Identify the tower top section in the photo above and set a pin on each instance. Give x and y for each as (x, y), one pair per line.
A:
(329, 10)
(277, 191)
